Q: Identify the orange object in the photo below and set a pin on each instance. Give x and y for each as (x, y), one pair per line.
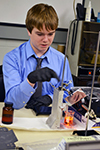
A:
(69, 116)
(89, 73)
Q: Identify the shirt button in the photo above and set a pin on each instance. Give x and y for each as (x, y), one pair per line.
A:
(23, 101)
(31, 92)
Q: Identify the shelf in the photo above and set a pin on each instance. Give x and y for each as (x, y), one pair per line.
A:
(90, 32)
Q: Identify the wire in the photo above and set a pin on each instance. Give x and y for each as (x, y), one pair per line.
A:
(70, 30)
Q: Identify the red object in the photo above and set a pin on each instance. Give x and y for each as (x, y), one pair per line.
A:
(89, 72)
(69, 116)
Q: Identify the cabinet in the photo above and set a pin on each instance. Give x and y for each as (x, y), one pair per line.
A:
(82, 59)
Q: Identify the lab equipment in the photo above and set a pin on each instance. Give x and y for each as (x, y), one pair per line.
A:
(54, 118)
(82, 56)
(7, 113)
(68, 118)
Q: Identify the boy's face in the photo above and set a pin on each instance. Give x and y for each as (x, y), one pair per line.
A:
(41, 40)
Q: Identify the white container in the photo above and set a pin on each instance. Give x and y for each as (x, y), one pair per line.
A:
(88, 12)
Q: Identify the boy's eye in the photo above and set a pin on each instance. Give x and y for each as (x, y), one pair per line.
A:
(39, 34)
(50, 34)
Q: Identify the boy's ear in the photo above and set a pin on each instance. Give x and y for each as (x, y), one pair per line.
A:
(28, 32)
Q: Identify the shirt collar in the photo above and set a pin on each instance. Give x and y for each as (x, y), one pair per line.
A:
(30, 52)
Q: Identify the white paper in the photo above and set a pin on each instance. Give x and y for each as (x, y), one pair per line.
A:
(28, 123)
(40, 124)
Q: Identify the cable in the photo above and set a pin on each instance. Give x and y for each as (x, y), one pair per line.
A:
(74, 34)
(70, 30)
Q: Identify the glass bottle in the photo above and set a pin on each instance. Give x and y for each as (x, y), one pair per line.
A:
(7, 113)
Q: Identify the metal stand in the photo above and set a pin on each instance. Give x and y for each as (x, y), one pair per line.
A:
(93, 82)
(54, 119)
(87, 132)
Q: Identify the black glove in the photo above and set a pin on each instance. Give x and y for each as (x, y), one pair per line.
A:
(42, 74)
(37, 102)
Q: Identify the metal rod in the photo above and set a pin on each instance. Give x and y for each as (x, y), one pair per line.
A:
(65, 59)
(92, 83)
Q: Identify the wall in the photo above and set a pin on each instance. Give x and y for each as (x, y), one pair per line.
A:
(14, 11)
(6, 46)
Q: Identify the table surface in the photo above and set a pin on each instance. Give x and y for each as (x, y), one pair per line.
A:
(27, 136)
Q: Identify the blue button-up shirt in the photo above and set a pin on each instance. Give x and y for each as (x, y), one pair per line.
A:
(18, 63)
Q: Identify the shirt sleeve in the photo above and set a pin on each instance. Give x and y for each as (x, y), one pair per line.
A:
(18, 91)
